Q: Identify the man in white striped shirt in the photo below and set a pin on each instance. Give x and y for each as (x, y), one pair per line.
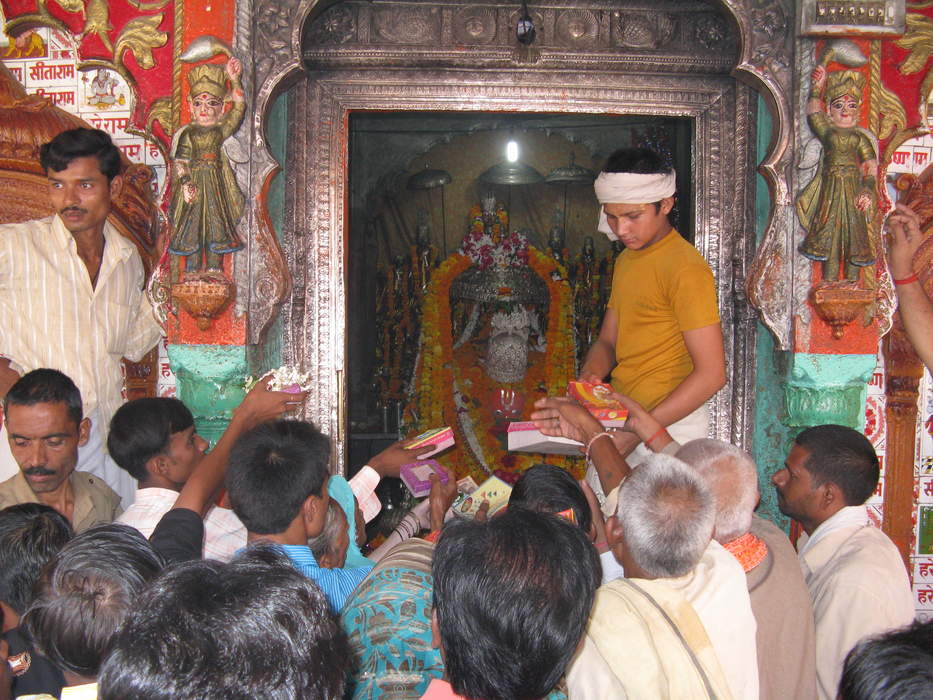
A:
(72, 291)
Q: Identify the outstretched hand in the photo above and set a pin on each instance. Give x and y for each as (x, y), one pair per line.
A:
(390, 460)
(561, 416)
(261, 404)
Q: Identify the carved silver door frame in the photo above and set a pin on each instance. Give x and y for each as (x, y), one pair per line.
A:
(319, 106)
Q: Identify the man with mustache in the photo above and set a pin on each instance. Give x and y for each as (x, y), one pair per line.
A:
(46, 426)
(71, 292)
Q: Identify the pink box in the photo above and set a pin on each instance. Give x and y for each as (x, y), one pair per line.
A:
(417, 476)
(440, 438)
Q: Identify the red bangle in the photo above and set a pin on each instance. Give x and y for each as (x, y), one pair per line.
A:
(432, 536)
(907, 280)
(656, 435)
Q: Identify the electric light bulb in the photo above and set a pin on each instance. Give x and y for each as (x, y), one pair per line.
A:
(511, 151)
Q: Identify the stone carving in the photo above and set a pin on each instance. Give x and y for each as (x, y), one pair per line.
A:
(576, 28)
(273, 25)
(336, 26)
(644, 30)
(710, 31)
(383, 36)
(770, 28)
(409, 25)
(474, 25)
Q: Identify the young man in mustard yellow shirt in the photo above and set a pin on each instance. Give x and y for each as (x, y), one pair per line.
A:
(661, 337)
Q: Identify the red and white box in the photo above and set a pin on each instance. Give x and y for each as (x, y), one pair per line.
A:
(439, 438)
(595, 398)
(525, 437)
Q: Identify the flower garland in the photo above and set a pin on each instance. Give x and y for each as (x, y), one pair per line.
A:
(494, 250)
(454, 390)
(434, 371)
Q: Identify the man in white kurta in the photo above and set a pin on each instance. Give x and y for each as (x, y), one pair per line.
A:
(855, 575)
(662, 534)
(77, 315)
(858, 586)
(717, 590)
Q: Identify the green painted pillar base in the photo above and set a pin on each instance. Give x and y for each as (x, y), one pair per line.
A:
(210, 383)
(827, 389)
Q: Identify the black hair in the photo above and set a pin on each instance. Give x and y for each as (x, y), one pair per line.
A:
(142, 429)
(512, 598)
(546, 488)
(30, 534)
(85, 592)
(842, 456)
(57, 154)
(253, 628)
(273, 469)
(891, 666)
(643, 161)
(46, 386)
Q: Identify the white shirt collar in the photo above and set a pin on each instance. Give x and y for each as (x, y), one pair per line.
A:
(849, 516)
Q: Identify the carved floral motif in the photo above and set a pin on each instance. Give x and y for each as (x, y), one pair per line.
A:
(710, 32)
(336, 26)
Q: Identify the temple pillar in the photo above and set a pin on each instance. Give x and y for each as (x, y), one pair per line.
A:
(210, 383)
(824, 388)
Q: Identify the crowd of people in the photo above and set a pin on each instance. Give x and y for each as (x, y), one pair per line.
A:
(651, 578)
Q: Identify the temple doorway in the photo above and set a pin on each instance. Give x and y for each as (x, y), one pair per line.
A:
(424, 71)
(423, 187)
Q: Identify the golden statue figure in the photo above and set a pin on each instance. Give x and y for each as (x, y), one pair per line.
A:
(207, 202)
(838, 204)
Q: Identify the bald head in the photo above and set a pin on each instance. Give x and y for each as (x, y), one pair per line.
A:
(731, 477)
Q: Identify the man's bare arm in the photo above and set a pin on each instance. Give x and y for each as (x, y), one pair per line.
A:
(564, 417)
(601, 357)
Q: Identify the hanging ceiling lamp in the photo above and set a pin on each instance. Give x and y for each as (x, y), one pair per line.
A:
(430, 179)
(571, 174)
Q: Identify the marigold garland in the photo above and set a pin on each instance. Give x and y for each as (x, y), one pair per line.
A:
(442, 377)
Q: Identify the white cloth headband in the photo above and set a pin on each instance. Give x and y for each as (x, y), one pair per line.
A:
(630, 188)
